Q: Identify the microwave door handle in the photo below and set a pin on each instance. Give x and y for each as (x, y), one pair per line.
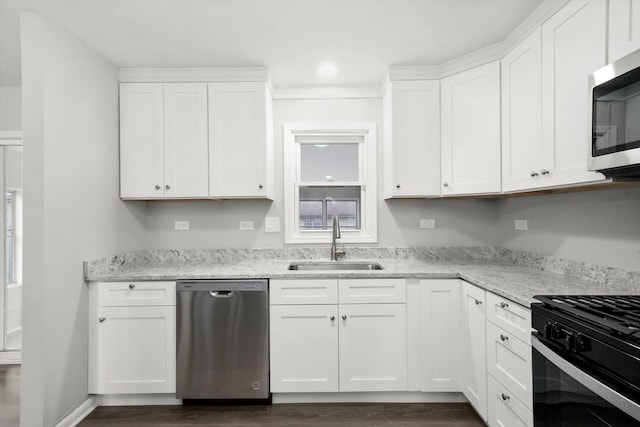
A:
(607, 393)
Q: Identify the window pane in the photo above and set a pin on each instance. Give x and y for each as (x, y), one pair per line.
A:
(329, 162)
(318, 206)
(311, 216)
(10, 261)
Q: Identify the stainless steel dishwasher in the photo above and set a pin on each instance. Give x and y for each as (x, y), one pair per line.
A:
(222, 340)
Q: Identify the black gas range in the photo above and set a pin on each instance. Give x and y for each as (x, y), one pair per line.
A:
(586, 360)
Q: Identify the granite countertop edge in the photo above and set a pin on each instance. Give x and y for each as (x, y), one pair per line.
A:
(518, 283)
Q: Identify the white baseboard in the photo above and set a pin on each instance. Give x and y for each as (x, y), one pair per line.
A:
(137, 399)
(10, 357)
(373, 397)
(79, 414)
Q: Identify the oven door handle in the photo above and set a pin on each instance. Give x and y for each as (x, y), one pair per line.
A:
(607, 393)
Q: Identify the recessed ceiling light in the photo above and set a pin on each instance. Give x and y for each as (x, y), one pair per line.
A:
(327, 70)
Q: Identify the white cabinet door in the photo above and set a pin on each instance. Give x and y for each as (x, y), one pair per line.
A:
(471, 131)
(240, 140)
(440, 335)
(573, 46)
(373, 347)
(412, 139)
(624, 28)
(136, 350)
(474, 364)
(304, 348)
(185, 140)
(522, 115)
(504, 409)
(141, 141)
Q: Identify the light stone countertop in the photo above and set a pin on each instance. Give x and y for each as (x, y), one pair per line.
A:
(515, 276)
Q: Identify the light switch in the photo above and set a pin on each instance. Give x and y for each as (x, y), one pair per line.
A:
(521, 224)
(427, 223)
(272, 225)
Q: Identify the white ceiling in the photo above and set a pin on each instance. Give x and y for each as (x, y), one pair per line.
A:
(290, 37)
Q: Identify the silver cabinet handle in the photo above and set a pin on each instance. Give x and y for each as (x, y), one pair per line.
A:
(504, 304)
(131, 286)
(260, 186)
(446, 184)
(101, 319)
(534, 174)
(168, 187)
(504, 396)
(478, 302)
(398, 186)
(545, 172)
(344, 317)
(332, 318)
(504, 337)
(158, 187)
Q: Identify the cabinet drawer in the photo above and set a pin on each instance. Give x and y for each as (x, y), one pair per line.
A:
(509, 361)
(510, 316)
(303, 291)
(365, 291)
(505, 409)
(121, 294)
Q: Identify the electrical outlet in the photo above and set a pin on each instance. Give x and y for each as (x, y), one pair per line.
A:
(521, 224)
(427, 223)
(246, 225)
(272, 225)
(182, 225)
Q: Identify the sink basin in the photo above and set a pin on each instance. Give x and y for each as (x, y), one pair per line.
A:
(335, 266)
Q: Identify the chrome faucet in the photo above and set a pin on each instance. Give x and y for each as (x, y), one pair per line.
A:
(335, 252)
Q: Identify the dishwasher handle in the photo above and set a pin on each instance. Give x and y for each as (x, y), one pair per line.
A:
(221, 294)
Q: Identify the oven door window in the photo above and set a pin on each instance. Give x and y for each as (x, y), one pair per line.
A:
(559, 400)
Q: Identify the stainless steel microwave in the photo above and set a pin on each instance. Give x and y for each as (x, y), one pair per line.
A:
(615, 119)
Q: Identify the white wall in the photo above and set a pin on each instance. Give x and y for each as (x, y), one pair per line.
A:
(599, 227)
(215, 224)
(72, 209)
(10, 108)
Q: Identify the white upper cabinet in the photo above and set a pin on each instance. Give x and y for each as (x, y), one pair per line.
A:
(240, 140)
(573, 46)
(412, 139)
(624, 28)
(522, 115)
(163, 140)
(471, 131)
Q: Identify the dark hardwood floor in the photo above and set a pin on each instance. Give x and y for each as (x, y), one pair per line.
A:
(290, 415)
(9, 395)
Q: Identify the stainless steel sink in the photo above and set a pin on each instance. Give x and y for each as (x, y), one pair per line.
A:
(335, 266)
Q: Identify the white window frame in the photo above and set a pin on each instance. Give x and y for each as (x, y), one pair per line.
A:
(364, 134)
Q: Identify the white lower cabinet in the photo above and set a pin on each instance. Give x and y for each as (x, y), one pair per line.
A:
(132, 346)
(331, 347)
(440, 335)
(474, 360)
(504, 409)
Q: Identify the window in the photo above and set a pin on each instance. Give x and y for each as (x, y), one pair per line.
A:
(330, 172)
(9, 227)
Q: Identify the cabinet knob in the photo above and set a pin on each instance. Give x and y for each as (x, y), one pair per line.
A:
(101, 319)
(504, 337)
(545, 172)
(534, 174)
(398, 186)
(168, 187)
(344, 317)
(446, 184)
(260, 186)
(504, 396)
(478, 302)
(158, 187)
(504, 304)
(332, 318)
(131, 286)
